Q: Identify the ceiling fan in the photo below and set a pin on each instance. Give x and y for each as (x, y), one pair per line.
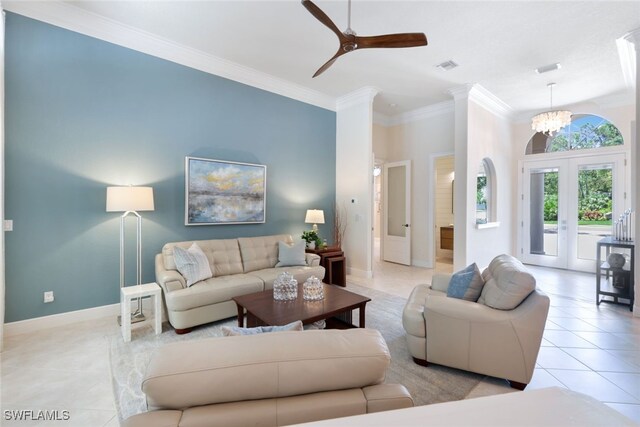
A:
(349, 41)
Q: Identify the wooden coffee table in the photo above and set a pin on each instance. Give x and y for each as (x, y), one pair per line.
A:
(335, 308)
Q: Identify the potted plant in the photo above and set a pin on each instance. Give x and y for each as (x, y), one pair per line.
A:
(312, 239)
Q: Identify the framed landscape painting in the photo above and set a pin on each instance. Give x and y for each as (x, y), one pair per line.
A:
(220, 192)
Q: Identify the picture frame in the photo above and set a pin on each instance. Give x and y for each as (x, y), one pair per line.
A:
(219, 192)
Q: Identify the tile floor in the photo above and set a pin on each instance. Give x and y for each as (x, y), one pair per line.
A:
(591, 349)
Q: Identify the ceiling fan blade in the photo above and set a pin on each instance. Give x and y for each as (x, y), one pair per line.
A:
(330, 62)
(391, 40)
(322, 17)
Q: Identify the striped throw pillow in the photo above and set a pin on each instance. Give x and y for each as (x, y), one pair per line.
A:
(192, 264)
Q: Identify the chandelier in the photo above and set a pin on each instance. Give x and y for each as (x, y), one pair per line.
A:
(551, 121)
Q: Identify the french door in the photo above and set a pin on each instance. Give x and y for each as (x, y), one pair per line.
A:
(568, 205)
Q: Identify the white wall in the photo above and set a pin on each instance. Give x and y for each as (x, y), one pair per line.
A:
(417, 141)
(354, 163)
(490, 136)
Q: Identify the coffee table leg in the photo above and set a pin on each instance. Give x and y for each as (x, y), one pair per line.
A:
(240, 315)
(361, 310)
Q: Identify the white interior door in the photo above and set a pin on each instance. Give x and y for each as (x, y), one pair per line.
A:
(397, 212)
(563, 205)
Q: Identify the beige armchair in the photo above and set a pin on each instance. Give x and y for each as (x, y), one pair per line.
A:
(474, 336)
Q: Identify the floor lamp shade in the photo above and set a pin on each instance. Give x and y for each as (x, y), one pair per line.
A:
(124, 199)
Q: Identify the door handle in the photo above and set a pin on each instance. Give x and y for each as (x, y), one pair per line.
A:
(405, 225)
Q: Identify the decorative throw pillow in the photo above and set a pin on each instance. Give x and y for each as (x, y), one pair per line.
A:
(229, 331)
(290, 255)
(192, 264)
(466, 284)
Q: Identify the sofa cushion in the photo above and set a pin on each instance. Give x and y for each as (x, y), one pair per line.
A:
(223, 255)
(260, 252)
(192, 263)
(507, 283)
(466, 284)
(212, 291)
(291, 254)
(232, 331)
(300, 273)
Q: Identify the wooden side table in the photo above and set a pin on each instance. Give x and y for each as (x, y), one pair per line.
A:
(336, 271)
(129, 293)
(334, 262)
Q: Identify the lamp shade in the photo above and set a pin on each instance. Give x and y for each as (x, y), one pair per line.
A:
(314, 216)
(123, 199)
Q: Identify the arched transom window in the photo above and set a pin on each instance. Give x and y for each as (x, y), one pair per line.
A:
(584, 132)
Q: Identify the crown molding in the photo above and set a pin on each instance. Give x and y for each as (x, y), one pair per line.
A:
(361, 96)
(628, 48)
(489, 101)
(481, 96)
(73, 18)
(460, 92)
(382, 119)
(423, 113)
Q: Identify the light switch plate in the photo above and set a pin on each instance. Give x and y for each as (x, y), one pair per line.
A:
(8, 225)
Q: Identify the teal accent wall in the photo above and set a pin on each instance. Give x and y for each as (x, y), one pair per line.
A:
(83, 114)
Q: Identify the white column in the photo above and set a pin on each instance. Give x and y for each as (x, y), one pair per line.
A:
(461, 205)
(354, 174)
(2, 180)
(634, 37)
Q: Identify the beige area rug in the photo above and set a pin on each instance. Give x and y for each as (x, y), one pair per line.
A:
(384, 313)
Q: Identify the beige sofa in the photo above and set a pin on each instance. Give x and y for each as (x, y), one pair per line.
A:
(474, 336)
(547, 407)
(239, 266)
(270, 379)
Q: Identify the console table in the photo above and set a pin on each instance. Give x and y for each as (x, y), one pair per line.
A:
(334, 263)
(604, 285)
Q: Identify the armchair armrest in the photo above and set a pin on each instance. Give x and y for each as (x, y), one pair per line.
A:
(169, 280)
(440, 282)
(313, 260)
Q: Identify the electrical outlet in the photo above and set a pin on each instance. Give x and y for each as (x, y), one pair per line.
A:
(48, 296)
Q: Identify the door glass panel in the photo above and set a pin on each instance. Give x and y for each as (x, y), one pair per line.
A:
(396, 215)
(595, 207)
(543, 224)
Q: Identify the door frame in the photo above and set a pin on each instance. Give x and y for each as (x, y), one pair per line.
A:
(431, 200)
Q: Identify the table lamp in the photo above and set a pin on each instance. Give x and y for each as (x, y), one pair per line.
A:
(315, 217)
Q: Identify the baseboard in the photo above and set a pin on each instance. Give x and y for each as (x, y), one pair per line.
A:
(61, 319)
(421, 263)
(360, 273)
(69, 318)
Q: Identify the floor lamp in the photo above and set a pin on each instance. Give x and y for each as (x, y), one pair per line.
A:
(131, 200)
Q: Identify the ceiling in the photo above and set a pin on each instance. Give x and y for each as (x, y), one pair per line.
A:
(497, 44)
